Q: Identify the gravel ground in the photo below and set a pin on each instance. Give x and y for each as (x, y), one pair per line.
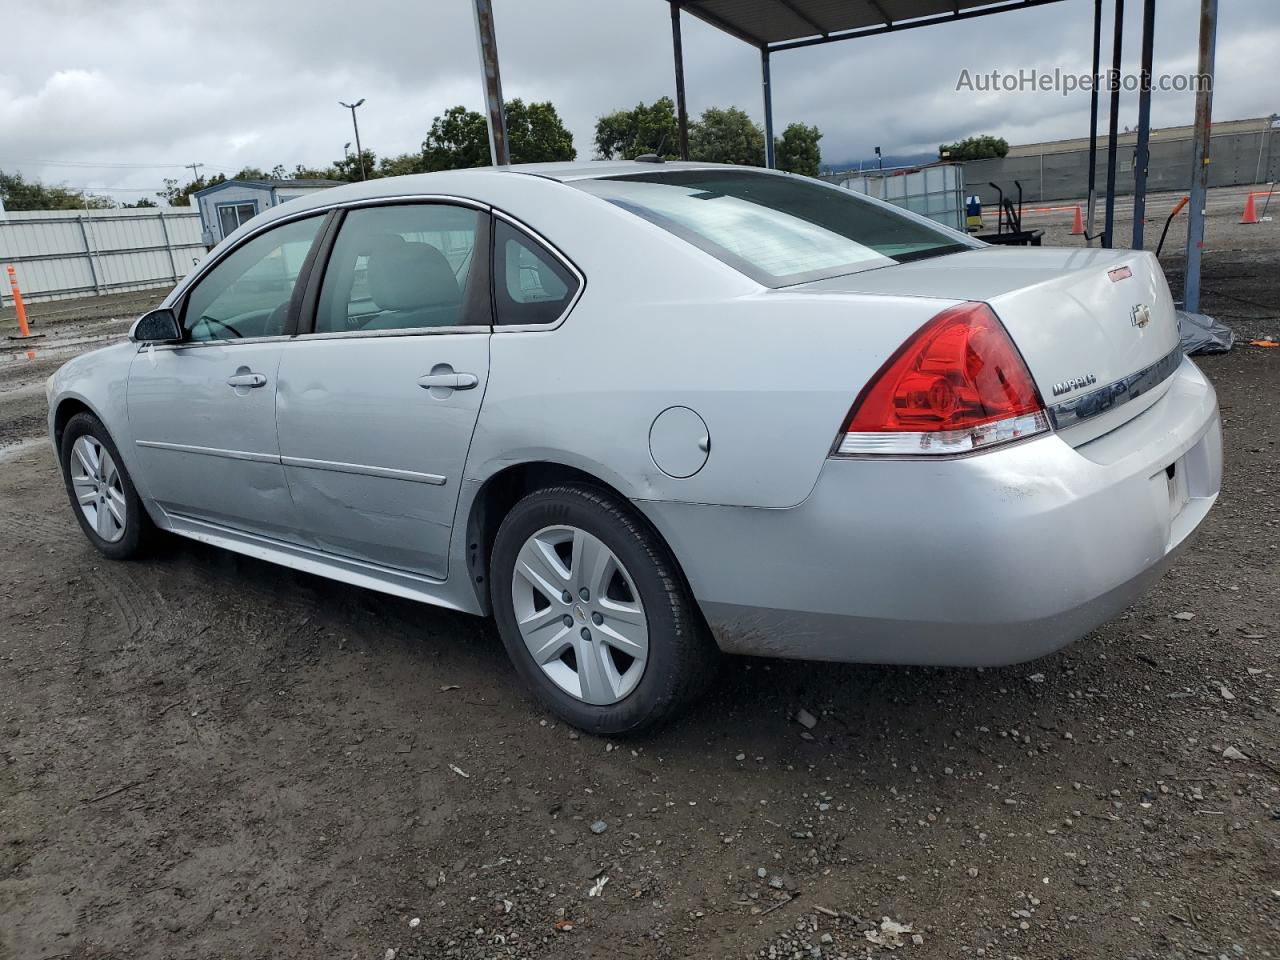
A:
(207, 756)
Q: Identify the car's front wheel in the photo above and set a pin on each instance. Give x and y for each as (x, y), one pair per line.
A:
(102, 493)
(594, 612)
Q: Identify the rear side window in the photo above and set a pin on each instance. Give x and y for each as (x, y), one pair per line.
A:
(530, 284)
(777, 230)
(402, 267)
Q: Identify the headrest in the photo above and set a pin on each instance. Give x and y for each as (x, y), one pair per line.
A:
(407, 276)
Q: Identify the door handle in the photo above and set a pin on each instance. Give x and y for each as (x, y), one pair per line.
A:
(449, 381)
(247, 380)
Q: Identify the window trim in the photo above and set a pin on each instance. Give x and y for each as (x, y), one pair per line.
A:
(180, 303)
(334, 211)
(551, 248)
(310, 301)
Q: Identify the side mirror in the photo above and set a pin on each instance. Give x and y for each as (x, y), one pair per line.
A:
(158, 326)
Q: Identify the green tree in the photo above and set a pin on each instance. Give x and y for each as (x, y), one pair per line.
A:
(348, 168)
(457, 139)
(726, 136)
(403, 165)
(142, 202)
(19, 193)
(535, 133)
(460, 138)
(974, 148)
(796, 151)
(178, 194)
(626, 134)
(301, 172)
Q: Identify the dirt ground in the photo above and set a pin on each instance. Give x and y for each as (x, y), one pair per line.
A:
(207, 756)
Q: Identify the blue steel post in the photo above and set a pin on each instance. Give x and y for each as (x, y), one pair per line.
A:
(1108, 226)
(1093, 122)
(1144, 125)
(1200, 161)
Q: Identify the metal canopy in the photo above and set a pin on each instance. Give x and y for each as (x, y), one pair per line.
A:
(773, 25)
(784, 24)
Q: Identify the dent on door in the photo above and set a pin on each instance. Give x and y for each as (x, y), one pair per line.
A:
(374, 434)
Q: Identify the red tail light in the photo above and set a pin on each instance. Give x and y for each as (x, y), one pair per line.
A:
(958, 384)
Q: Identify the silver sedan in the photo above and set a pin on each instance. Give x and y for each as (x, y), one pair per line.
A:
(641, 413)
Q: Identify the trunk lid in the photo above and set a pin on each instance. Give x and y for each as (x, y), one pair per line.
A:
(1084, 320)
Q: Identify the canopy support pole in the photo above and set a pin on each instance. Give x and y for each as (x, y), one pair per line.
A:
(499, 150)
(1143, 158)
(1113, 130)
(682, 110)
(1093, 123)
(768, 108)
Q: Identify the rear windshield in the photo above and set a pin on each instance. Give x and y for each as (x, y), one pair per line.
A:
(777, 230)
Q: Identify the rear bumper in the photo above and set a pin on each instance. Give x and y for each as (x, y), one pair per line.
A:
(985, 560)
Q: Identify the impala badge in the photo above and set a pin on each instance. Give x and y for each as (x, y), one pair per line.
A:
(1140, 315)
(1075, 383)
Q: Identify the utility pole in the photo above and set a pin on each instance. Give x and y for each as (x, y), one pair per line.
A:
(359, 149)
(195, 172)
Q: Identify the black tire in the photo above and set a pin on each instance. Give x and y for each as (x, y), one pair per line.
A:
(681, 656)
(139, 529)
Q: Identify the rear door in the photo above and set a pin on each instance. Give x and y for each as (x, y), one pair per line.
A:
(202, 411)
(377, 402)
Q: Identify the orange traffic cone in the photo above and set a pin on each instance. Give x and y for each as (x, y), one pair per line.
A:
(1077, 228)
(1250, 211)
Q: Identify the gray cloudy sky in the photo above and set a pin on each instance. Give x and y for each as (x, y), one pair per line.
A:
(234, 82)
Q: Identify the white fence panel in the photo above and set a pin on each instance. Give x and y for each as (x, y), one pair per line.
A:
(936, 192)
(78, 253)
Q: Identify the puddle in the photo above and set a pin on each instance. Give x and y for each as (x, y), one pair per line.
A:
(19, 351)
(30, 448)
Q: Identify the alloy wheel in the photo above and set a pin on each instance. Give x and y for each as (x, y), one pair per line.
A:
(98, 488)
(580, 615)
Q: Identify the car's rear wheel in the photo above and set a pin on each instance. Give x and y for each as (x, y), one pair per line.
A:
(102, 494)
(594, 612)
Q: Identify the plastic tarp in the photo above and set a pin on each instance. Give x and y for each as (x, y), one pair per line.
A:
(1203, 334)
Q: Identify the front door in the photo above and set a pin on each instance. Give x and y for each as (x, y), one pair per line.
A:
(202, 412)
(377, 404)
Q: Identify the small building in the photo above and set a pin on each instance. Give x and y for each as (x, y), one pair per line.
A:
(224, 206)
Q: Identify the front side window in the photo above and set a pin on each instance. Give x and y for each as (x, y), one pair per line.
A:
(231, 215)
(531, 285)
(402, 267)
(777, 230)
(247, 293)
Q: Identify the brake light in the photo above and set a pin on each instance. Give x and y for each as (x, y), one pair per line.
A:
(958, 384)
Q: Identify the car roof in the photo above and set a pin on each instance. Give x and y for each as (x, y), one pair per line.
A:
(467, 181)
(594, 169)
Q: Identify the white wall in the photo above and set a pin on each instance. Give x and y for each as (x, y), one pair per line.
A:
(77, 253)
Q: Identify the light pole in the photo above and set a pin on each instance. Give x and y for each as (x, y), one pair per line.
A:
(346, 149)
(359, 151)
